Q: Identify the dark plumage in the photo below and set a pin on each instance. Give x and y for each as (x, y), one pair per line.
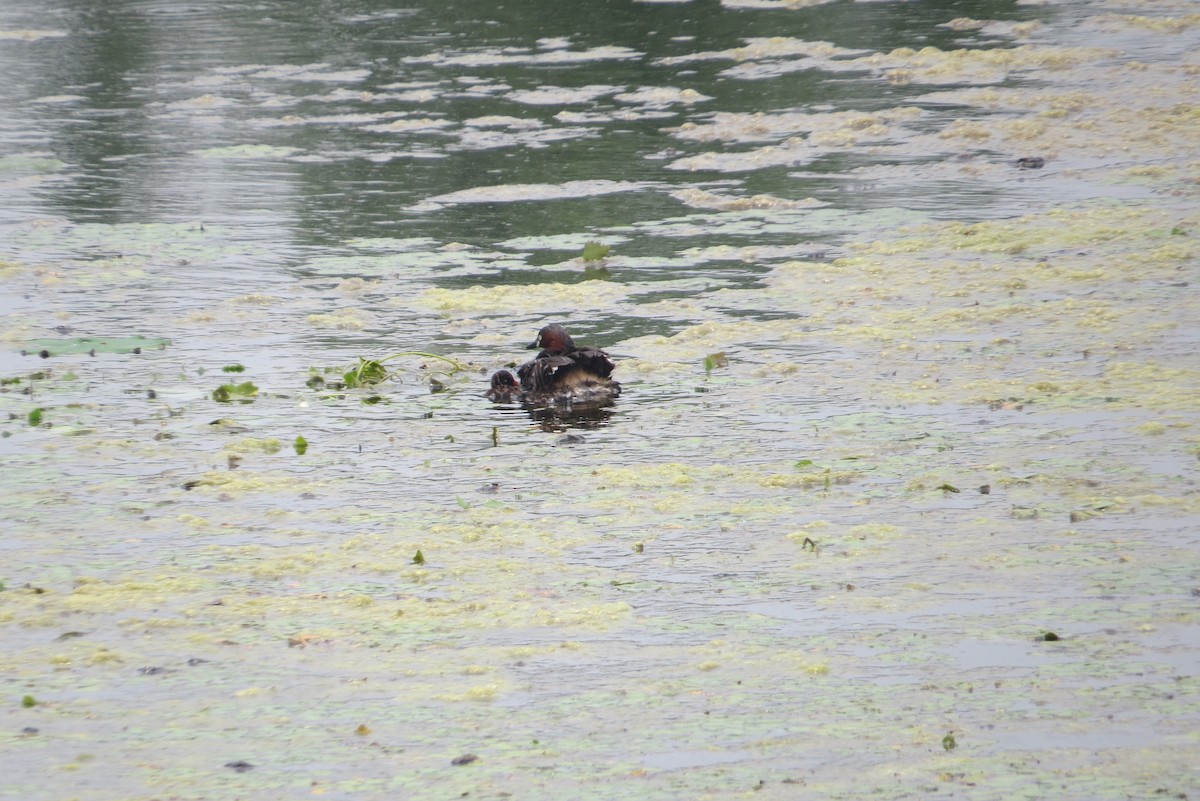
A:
(561, 365)
(505, 388)
(561, 373)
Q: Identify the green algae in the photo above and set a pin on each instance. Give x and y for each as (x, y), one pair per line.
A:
(29, 164)
(63, 347)
(266, 445)
(247, 152)
(244, 392)
(594, 251)
(953, 353)
(565, 242)
(481, 299)
(1158, 24)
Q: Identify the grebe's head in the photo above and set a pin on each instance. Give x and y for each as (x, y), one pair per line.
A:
(504, 382)
(553, 338)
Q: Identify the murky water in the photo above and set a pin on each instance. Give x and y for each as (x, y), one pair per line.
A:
(895, 407)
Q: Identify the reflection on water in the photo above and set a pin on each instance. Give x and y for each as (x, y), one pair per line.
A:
(328, 125)
(583, 416)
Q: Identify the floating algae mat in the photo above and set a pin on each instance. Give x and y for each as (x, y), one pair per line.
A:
(92, 345)
(899, 499)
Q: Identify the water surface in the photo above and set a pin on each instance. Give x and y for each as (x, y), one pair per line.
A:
(895, 408)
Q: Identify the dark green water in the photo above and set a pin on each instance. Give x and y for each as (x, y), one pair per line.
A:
(152, 84)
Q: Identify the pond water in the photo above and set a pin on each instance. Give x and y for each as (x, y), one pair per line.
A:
(899, 500)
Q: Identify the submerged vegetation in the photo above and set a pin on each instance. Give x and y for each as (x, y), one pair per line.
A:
(370, 372)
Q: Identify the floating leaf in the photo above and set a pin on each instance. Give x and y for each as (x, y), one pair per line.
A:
(419, 558)
(233, 368)
(244, 392)
(301, 445)
(35, 417)
(594, 251)
(28, 701)
(803, 463)
(948, 742)
(59, 347)
(715, 360)
(948, 488)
